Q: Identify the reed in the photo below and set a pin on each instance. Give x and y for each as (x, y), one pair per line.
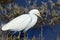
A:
(49, 16)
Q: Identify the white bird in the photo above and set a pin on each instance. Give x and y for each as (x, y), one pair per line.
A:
(23, 22)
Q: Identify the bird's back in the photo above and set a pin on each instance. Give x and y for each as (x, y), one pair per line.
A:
(32, 23)
(18, 24)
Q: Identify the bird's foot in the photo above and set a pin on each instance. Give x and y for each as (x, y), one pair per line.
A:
(18, 37)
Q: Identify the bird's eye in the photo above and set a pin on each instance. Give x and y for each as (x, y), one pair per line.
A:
(38, 13)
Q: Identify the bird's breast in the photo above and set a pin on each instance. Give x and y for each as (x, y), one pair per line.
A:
(34, 21)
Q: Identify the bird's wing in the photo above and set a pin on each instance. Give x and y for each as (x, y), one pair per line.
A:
(18, 24)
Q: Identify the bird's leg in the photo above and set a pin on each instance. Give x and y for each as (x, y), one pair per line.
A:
(25, 33)
(19, 36)
(25, 36)
(12, 35)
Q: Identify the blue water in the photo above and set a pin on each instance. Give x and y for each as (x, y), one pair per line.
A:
(48, 32)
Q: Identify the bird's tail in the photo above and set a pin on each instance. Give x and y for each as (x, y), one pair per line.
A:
(4, 27)
(1, 25)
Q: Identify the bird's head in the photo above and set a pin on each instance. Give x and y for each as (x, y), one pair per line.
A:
(35, 12)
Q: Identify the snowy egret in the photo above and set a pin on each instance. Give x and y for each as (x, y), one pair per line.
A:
(23, 22)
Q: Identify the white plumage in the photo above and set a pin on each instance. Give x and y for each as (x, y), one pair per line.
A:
(23, 22)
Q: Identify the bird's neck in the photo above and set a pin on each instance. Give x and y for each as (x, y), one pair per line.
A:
(33, 16)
